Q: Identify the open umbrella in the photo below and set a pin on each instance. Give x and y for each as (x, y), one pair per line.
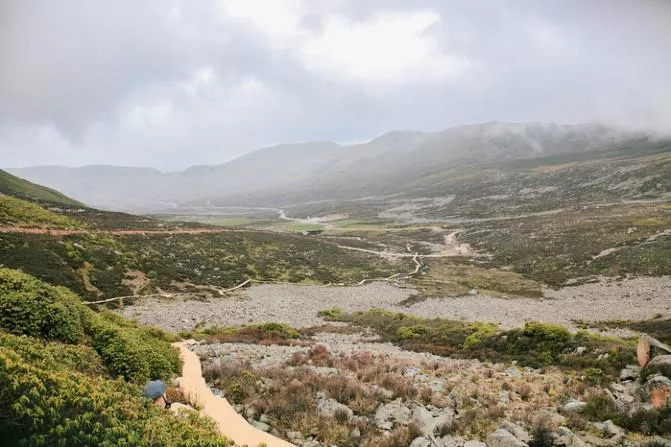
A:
(154, 389)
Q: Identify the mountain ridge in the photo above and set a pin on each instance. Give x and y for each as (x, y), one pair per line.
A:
(288, 173)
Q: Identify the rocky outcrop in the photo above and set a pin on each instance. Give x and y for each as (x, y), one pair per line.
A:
(393, 413)
(503, 438)
(563, 436)
(428, 423)
(330, 407)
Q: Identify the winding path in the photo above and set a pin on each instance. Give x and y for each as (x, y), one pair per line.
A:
(230, 423)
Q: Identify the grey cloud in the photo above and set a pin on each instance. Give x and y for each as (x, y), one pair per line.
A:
(72, 72)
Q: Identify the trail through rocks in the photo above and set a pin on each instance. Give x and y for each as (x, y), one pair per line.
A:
(229, 422)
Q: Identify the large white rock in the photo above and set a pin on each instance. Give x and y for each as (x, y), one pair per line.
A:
(392, 413)
(503, 438)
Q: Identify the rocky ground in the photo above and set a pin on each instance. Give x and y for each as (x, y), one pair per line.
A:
(297, 305)
(340, 387)
(345, 390)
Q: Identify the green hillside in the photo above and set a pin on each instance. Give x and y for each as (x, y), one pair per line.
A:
(21, 213)
(23, 189)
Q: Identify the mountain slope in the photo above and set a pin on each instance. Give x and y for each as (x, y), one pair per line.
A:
(294, 173)
(14, 186)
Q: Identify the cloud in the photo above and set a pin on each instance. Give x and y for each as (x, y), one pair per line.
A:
(174, 83)
(391, 48)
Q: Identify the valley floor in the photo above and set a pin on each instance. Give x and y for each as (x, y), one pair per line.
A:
(298, 305)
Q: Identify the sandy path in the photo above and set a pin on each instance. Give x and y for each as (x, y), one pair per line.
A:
(230, 423)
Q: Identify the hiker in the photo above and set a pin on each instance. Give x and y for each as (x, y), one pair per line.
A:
(155, 390)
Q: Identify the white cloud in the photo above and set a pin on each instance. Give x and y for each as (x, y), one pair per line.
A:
(389, 48)
(279, 19)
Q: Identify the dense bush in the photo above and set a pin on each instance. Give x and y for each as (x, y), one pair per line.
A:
(132, 353)
(52, 395)
(30, 307)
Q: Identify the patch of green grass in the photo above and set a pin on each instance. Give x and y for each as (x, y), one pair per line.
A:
(449, 278)
(296, 227)
(266, 333)
(21, 213)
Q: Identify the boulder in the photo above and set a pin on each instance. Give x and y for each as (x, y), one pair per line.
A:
(391, 414)
(474, 443)
(660, 360)
(261, 426)
(513, 372)
(616, 433)
(330, 407)
(565, 437)
(452, 441)
(630, 372)
(503, 438)
(429, 423)
(517, 431)
(424, 420)
(573, 406)
(294, 436)
(420, 442)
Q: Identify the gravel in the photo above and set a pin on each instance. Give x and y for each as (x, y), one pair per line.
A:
(297, 305)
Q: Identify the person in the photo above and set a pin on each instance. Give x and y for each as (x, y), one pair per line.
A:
(156, 391)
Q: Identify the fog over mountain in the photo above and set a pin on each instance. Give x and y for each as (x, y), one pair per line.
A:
(287, 174)
(171, 84)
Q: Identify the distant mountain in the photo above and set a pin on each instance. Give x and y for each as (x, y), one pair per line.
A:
(17, 187)
(294, 173)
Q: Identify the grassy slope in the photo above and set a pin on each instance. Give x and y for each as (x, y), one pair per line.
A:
(15, 212)
(18, 187)
(220, 259)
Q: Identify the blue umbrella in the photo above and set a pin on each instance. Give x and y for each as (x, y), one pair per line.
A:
(154, 389)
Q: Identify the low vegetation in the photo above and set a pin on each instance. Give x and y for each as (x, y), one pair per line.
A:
(21, 213)
(268, 333)
(445, 278)
(98, 266)
(647, 421)
(536, 345)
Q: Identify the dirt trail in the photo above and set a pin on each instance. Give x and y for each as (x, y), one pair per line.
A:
(60, 232)
(230, 423)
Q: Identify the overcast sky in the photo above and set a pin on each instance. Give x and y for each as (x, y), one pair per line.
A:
(170, 84)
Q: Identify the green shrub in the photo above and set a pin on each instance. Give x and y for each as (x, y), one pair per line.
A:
(407, 332)
(482, 331)
(594, 376)
(601, 407)
(133, 353)
(330, 314)
(46, 402)
(31, 307)
(283, 329)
